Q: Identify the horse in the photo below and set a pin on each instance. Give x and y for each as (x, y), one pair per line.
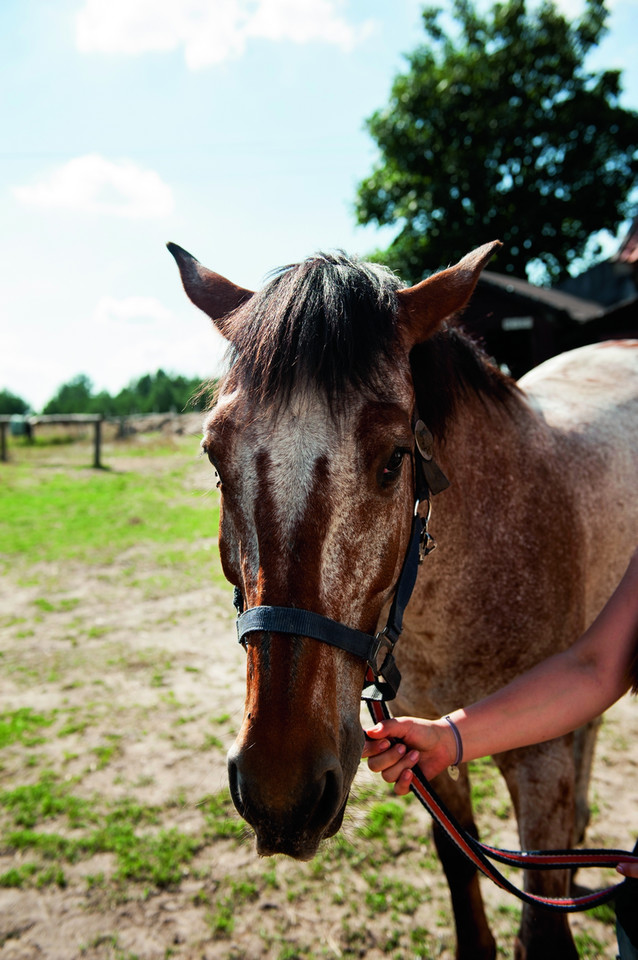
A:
(312, 440)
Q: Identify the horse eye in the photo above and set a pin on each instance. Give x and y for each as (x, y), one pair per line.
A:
(218, 476)
(394, 464)
(213, 461)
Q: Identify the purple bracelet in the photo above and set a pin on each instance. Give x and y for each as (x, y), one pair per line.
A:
(453, 769)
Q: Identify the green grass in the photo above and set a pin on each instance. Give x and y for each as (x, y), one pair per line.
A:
(589, 947)
(92, 515)
(158, 858)
(84, 826)
(605, 913)
(20, 726)
(383, 818)
(88, 826)
(484, 782)
(155, 517)
(61, 606)
(219, 814)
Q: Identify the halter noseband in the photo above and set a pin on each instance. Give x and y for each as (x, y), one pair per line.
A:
(378, 650)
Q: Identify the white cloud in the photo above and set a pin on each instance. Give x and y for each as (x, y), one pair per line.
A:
(93, 184)
(210, 31)
(130, 336)
(130, 310)
(303, 22)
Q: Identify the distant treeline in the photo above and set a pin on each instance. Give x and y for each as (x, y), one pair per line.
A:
(153, 393)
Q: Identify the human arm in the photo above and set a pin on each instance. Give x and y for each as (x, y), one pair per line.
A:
(551, 699)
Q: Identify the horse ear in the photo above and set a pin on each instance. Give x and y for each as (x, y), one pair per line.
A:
(209, 291)
(426, 305)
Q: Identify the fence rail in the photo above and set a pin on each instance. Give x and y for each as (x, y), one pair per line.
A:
(64, 418)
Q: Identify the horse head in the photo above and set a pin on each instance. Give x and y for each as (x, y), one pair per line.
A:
(312, 439)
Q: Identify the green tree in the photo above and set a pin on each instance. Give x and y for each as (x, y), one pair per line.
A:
(10, 403)
(152, 393)
(103, 403)
(498, 131)
(72, 397)
(162, 395)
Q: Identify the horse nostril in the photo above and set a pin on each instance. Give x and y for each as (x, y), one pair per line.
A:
(234, 785)
(328, 800)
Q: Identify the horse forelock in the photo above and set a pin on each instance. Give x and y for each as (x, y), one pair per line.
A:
(325, 323)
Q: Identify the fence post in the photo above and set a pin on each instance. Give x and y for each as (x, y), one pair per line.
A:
(98, 442)
(3, 441)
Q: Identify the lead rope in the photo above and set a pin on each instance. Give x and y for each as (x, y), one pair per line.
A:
(481, 854)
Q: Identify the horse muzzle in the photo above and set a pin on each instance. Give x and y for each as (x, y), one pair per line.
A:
(289, 816)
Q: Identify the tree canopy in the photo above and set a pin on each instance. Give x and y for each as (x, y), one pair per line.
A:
(498, 131)
(10, 403)
(152, 393)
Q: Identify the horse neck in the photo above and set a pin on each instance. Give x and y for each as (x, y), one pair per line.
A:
(495, 452)
(504, 529)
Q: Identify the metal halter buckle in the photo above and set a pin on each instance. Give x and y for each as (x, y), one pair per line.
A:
(383, 643)
(427, 542)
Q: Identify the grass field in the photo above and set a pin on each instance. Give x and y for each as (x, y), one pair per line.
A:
(50, 512)
(121, 690)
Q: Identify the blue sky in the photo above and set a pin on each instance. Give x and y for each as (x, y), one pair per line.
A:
(232, 127)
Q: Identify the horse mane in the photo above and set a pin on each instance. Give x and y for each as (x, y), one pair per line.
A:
(452, 367)
(325, 321)
(328, 321)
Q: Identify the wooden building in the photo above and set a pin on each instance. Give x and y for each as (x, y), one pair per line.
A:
(521, 324)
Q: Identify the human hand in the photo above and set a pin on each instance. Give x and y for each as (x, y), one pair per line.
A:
(628, 870)
(430, 743)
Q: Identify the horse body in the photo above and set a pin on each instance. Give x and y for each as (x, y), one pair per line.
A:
(534, 534)
(534, 531)
(588, 399)
(312, 437)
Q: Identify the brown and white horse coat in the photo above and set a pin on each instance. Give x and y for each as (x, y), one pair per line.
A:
(312, 437)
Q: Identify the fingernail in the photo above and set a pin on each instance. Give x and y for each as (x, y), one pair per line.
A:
(413, 756)
(401, 749)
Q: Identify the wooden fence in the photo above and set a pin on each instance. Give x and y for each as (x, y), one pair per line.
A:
(65, 418)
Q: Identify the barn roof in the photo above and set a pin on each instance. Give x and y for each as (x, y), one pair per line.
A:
(575, 307)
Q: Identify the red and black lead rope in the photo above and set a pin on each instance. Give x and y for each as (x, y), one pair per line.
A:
(482, 854)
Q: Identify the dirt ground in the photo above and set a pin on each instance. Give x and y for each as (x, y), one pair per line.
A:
(146, 688)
